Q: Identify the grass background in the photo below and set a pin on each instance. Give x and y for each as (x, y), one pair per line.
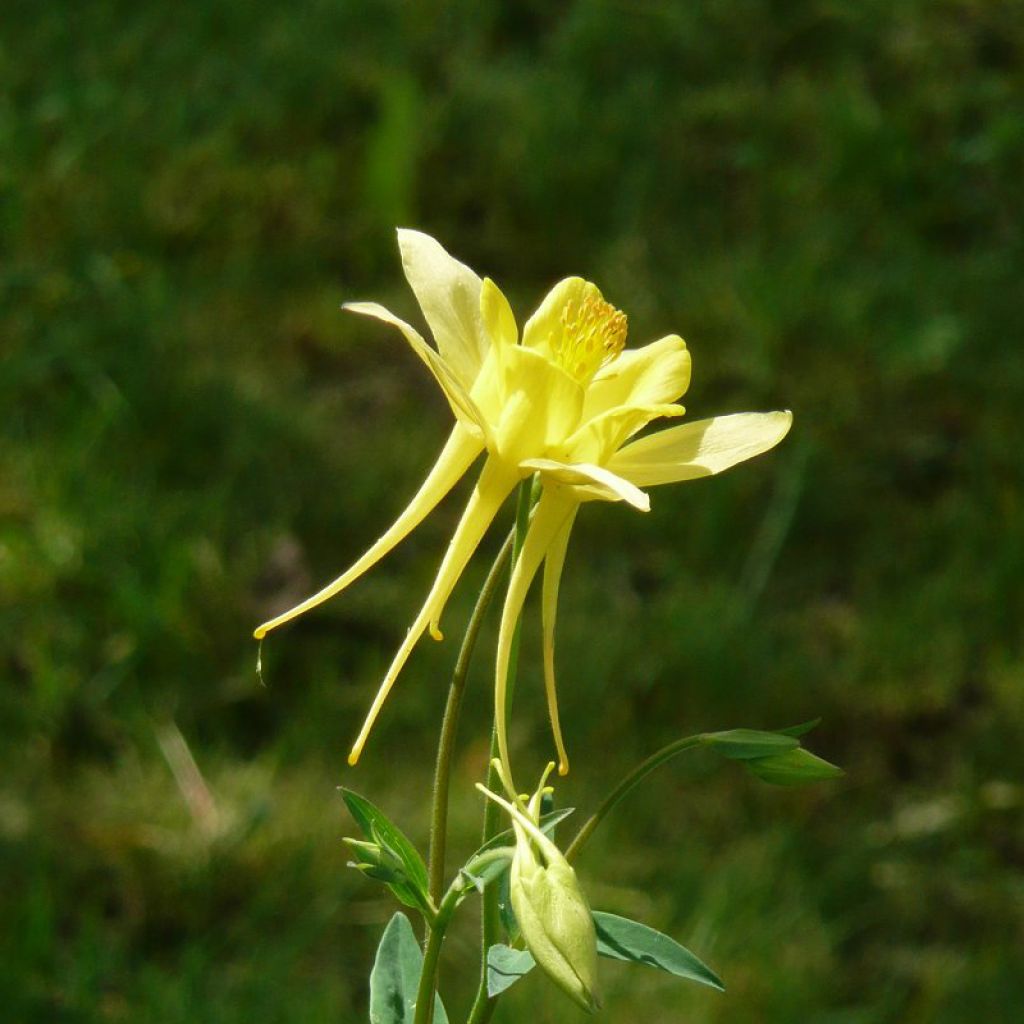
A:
(824, 199)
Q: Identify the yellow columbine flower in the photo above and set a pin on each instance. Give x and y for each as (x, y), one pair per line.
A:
(525, 404)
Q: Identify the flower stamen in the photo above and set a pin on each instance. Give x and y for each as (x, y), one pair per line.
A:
(593, 333)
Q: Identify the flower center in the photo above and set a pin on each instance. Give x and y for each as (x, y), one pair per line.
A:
(593, 333)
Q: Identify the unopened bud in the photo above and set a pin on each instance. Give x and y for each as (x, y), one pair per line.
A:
(555, 921)
(553, 914)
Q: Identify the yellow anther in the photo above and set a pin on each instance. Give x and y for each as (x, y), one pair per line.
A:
(593, 333)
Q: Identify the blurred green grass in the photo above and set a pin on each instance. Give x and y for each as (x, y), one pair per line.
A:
(825, 200)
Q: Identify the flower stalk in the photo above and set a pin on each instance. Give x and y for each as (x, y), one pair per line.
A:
(450, 724)
(490, 915)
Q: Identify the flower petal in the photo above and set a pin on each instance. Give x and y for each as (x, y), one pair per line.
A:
(550, 515)
(701, 448)
(598, 439)
(465, 409)
(449, 295)
(598, 481)
(493, 487)
(653, 375)
(455, 458)
(539, 404)
(546, 323)
(498, 319)
(554, 562)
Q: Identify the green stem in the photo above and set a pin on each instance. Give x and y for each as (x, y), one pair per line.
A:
(450, 724)
(426, 992)
(634, 778)
(483, 1005)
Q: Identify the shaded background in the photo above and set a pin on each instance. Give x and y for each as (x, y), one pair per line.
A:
(824, 199)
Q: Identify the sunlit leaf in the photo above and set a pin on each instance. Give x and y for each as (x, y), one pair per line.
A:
(407, 873)
(505, 966)
(618, 938)
(396, 976)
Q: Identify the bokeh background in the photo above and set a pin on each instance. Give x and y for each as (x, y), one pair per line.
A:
(824, 199)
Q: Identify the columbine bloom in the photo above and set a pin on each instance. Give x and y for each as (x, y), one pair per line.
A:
(531, 405)
(550, 907)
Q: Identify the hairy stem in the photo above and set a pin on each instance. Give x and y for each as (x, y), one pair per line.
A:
(426, 993)
(450, 725)
(427, 990)
(634, 778)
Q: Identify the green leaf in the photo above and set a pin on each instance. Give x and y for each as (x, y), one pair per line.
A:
(618, 938)
(743, 744)
(505, 966)
(411, 887)
(396, 976)
(793, 768)
(800, 730)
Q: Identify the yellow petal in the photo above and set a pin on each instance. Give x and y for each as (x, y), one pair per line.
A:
(545, 325)
(701, 448)
(449, 295)
(455, 458)
(492, 488)
(498, 319)
(598, 439)
(598, 481)
(656, 374)
(540, 405)
(551, 513)
(465, 409)
(553, 564)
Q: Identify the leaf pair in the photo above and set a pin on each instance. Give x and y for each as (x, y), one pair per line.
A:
(618, 938)
(387, 854)
(775, 757)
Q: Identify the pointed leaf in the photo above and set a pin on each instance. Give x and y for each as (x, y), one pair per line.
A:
(800, 730)
(742, 744)
(377, 827)
(618, 938)
(505, 966)
(396, 976)
(793, 768)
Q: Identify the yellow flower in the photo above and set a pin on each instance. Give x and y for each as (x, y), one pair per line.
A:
(549, 404)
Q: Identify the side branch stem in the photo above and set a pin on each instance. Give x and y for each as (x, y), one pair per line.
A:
(634, 778)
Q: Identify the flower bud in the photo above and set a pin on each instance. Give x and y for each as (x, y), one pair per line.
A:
(555, 919)
(375, 860)
(553, 914)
